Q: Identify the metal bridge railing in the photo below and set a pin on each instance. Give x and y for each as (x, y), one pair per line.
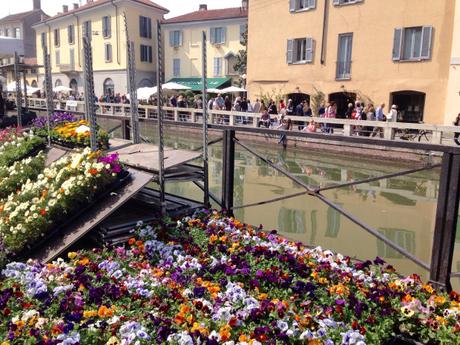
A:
(440, 267)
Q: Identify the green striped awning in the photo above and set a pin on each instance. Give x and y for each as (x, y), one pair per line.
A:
(196, 85)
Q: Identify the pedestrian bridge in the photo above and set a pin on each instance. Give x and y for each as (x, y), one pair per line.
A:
(425, 133)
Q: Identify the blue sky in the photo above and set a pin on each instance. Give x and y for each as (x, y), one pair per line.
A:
(176, 7)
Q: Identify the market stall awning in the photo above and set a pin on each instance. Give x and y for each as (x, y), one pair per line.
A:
(195, 83)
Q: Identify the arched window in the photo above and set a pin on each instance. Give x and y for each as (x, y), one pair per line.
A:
(109, 87)
(58, 82)
(73, 85)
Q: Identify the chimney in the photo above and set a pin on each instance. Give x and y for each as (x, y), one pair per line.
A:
(65, 8)
(75, 6)
(203, 7)
(37, 5)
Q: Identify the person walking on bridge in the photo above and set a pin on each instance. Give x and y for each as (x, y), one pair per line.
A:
(457, 134)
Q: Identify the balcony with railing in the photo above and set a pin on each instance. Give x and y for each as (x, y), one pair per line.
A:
(68, 69)
(343, 71)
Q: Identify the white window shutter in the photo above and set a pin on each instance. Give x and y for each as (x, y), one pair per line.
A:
(427, 37)
(292, 7)
(397, 44)
(309, 49)
(336, 2)
(312, 4)
(171, 38)
(181, 38)
(290, 51)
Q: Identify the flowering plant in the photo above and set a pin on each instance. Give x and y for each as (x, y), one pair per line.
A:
(13, 177)
(15, 146)
(68, 130)
(30, 213)
(210, 279)
(55, 120)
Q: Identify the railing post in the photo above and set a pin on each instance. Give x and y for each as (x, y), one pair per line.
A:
(228, 169)
(176, 115)
(193, 117)
(231, 119)
(446, 222)
(389, 133)
(436, 138)
(347, 130)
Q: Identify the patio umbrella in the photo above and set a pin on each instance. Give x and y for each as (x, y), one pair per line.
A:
(175, 86)
(11, 87)
(62, 88)
(233, 89)
(144, 93)
(216, 91)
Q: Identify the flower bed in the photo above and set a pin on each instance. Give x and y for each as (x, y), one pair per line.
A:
(213, 280)
(13, 177)
(15, 146)
(60, 190)
(67, 130)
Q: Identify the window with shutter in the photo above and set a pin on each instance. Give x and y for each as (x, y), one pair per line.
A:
(218, 35)
(427, 33)
(345, 2)
(412, 44)
(57, 58)
(106, 26)
(397, 40)
(290, 51)
(217, 66)
(57, 38)
(108, 53)
(301, 5)
(309, 50)
(176, 67)
(71, 34)
(43, 39)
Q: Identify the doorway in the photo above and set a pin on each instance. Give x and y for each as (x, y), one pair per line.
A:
(411, 105)
(298, 97)
(342, 99)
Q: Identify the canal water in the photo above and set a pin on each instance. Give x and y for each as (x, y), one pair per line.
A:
(401, 208)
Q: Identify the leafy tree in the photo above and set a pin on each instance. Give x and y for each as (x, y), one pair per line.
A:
(242, 57)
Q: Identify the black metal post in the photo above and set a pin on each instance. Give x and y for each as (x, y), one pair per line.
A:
(446, 222)
(228, 170)
(205, 121)
(161, 157)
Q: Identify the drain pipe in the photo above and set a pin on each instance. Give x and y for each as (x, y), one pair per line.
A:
(324, 36)
(78, 38)
(116, 31)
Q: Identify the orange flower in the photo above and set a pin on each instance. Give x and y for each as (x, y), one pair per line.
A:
(224, 332)
(93, 171)
(105, 312)
(131, 241)
(84, 261)
(89, 313)
(42, 212)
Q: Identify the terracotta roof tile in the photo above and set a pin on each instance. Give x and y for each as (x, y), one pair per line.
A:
(203, 15)
(18, 16)
(96, 3)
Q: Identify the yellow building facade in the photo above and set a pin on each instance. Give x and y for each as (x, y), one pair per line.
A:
(183, 42)
(401, 52)
(104, 22)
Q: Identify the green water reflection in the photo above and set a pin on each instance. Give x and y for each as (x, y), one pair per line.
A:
(401, 208)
